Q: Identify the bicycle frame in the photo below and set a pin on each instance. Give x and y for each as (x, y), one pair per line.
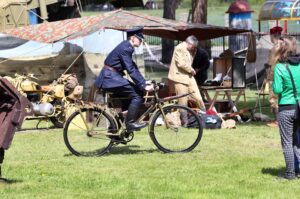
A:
(156, 104)
(91, 122)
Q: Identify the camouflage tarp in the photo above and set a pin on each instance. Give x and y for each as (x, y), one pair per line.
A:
(4, 3)
(119, 20)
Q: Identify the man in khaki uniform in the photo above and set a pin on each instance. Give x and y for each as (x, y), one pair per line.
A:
(182, 73)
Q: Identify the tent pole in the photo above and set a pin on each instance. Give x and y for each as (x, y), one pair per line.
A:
(223, 44)
(285, 26)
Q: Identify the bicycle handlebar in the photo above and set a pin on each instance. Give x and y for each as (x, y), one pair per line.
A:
(176, 97)
(160, 85)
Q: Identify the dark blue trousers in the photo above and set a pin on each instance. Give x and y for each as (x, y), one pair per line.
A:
(128, 91)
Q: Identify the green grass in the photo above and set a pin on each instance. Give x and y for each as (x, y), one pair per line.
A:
(238, 163)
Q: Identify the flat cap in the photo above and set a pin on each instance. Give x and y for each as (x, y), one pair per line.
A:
(138, 32)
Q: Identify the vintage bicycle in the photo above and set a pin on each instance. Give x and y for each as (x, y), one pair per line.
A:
(93, 129)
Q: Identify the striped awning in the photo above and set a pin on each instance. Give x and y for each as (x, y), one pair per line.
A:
(280, 10)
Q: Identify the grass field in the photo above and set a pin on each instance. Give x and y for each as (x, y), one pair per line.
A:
(238, 163)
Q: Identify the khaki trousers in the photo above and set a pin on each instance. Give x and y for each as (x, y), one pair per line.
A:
(189, 87)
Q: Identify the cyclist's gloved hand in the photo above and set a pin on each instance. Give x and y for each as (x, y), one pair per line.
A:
(202, 111)
(149, 82)
(149, 87)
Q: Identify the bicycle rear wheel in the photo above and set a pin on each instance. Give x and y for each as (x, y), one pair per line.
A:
(85, 132)
(183, 133)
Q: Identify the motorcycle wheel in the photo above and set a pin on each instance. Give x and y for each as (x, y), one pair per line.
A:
(60, 120)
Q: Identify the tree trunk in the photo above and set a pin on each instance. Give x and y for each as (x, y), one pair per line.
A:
(199, 15)
(199, 11)
(167, 44)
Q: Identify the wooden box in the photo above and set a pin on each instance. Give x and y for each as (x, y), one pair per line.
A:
(234, 67)
(221, 65)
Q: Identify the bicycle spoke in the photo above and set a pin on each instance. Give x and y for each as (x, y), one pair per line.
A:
(174, 135)
(87, 132)
(73, 123)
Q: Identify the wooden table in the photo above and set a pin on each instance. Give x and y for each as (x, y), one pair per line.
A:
(226, 93)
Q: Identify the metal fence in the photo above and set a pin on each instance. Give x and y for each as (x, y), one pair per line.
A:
(218, 45)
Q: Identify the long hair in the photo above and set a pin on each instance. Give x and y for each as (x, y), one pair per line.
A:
(285, 46)
(276, 52)
(292, 45)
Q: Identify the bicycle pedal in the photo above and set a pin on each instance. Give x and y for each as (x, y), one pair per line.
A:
(119, 141)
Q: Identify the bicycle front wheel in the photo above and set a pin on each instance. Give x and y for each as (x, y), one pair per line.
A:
(176, 129)
(86, 132)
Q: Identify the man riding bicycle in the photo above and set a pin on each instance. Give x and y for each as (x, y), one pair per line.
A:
(111, 77)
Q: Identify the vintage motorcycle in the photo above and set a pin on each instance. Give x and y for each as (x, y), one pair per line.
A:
(49, 101)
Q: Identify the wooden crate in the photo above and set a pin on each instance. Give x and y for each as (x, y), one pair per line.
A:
(221, 65)
(234, 67)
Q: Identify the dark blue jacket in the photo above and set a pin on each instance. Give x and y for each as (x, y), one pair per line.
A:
(119, 60)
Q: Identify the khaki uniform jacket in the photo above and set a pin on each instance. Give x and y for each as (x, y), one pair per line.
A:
(181, 65)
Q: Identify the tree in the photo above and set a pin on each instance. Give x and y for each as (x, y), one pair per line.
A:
(199, 11)
(199, 15)
(167, 44)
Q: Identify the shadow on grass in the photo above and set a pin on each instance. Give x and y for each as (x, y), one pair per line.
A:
(130, 149)
(9, 181)
(68, 155)
(37, 130)
(120, 150)
(273, 171)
